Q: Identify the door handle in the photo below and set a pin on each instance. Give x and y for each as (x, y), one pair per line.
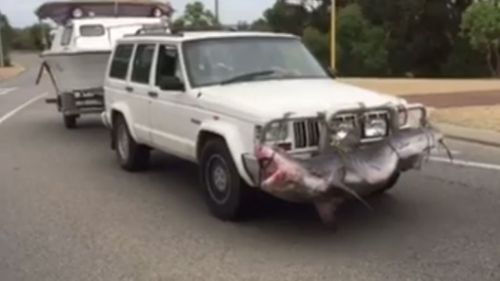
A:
(129, 89)
(153, 94)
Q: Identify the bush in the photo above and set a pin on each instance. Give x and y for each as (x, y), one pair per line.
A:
(464, 61)
(318, 44)
(481, 26)
(6, 38)
(362, 45)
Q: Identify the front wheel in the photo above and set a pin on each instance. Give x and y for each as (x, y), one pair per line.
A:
(131, 155)
(226, 194)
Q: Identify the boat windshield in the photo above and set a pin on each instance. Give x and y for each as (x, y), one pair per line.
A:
(232, 60)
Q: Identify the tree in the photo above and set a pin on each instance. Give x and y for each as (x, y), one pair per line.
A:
(362, 45)
(243, 26)
(283, 17)
(6, 38)
(464, 61)
(30, 38)
(196, 17)
(260, 25)
(381, 37)
(318, 43)
(421, 33)
(481, 26)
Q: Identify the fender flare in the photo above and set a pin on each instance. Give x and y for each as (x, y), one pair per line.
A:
(124, 110)
(233, 138)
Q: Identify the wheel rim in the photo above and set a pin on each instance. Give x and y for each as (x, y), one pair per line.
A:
(217, 179)
(123, 142)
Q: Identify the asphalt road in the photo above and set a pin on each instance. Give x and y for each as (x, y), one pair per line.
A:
(67, 212)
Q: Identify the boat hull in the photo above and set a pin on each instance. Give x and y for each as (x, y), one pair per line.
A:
(80, 71)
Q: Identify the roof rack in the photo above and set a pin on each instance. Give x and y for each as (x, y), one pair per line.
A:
(220, 28)
(147, 29)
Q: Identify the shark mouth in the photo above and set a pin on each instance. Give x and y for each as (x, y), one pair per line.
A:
(334, 175)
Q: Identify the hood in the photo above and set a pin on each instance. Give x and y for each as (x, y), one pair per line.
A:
(266, 100)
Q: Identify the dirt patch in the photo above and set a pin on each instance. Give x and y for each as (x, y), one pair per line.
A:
(458, 99)
(10, 72)
(477, 117)
(403, 87)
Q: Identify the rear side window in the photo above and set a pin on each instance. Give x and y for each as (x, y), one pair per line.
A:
(91, 30)
(142, 63)
(66, 36)
(119, 65)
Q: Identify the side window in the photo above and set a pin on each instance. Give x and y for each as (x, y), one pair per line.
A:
(92, 30)
(142, 63)
(66, 36)
(119, 65)
(168, 63)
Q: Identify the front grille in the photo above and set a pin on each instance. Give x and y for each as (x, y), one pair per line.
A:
(306, 133)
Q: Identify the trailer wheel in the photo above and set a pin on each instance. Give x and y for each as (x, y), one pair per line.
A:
(70, 121)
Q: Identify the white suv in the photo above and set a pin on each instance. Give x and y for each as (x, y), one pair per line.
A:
(211, 97)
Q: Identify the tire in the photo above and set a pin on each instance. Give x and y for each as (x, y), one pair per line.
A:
(131, 155)
(391, 183)
(226, 194)
(70, 121)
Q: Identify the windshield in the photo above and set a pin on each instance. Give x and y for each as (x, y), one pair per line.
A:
(230, 60)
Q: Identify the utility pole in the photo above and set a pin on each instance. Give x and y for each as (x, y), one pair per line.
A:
(333, 35)
(2, 60)
(217, 11)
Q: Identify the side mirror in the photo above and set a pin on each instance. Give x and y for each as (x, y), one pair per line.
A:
(171, 83)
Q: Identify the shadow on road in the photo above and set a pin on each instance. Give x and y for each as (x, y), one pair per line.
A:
(274, 214)
(169, 177)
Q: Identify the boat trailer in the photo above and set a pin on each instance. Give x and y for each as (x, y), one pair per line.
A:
(74, 103)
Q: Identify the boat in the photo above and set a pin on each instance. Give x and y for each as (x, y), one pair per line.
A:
(83, 37)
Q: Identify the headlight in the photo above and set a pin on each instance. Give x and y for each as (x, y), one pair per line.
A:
(345, 130)
(275, 132)
(402, 117)
(342, 128)
(375, 128)
(411, 118)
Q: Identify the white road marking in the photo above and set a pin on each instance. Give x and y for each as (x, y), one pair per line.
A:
(21, 107)
(464, 163)
(443, 152)
(7, 90)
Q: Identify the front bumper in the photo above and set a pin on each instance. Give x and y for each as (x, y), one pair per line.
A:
(363, 170)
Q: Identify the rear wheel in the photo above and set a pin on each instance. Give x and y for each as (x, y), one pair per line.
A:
(131, 155)
(70, 121)
(226, 194)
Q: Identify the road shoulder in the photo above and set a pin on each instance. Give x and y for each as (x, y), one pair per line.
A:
(7, 73)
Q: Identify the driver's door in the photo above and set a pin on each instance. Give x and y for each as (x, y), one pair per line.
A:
(171, 109)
